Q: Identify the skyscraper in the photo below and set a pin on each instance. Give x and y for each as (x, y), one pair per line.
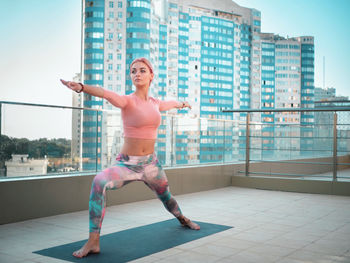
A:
(209, 53)
(287, 81)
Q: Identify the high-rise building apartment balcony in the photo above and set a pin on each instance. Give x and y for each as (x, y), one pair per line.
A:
(282, 185)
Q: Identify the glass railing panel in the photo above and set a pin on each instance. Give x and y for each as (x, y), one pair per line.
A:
(343, 144)
(38, 141)
(343, 133)
(255, 140)
(242, 136)
(186, 140)
(91, 143)
(165, 142)
(211, 141)
(111, 137)
(323, 134)
(231, 141)
(65, 140)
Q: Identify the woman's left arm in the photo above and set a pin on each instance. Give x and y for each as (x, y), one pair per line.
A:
(173, 104)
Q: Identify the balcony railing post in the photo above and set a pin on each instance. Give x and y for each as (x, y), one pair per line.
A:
(335, 146)
(172, 148)
(199, 140)
(96, 141)
(0, 118)
(247, 143)
(224, 144)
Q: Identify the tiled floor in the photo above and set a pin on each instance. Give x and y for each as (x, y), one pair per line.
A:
(269, 226)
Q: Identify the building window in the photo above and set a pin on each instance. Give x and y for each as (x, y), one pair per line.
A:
(111, 4)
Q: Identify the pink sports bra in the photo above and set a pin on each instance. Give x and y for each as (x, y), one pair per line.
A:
(141, 118)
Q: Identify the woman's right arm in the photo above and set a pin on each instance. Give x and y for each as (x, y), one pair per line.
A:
(92, 90)
(115, 99)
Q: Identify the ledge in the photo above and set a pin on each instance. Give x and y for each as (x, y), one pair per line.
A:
(35, 197)
(293, 185)
(29, 198)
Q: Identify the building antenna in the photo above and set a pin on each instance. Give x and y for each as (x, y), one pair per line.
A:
(324, 72)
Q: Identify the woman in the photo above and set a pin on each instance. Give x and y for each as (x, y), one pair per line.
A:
(137, 160)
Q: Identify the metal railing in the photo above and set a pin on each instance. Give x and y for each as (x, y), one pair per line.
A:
(315, 122)
(95, 137)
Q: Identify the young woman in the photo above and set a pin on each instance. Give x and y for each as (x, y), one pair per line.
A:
(137, 160)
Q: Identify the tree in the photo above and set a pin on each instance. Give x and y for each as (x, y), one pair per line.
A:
(36, 149)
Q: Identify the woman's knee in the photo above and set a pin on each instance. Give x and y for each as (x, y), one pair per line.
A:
(99, 182)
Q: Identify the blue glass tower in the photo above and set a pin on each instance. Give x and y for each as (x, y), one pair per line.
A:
(245, 66)
(183, 63)
(216, 82)
(213, 58)
(138, 19)
(245, 71)
(307, 93)
(93, 75)
(267, 96)
(162, 91)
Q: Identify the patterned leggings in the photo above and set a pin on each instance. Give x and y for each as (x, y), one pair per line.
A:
(127, 169)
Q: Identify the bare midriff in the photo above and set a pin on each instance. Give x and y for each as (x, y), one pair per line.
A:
(138, 147)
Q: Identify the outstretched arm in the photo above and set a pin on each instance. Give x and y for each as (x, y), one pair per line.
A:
(115, 99)
(92, 90)
(172, 104)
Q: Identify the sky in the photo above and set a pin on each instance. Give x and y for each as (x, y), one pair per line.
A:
(41, 43)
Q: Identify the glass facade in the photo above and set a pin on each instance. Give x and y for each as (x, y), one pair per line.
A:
(216, 82)
(162, 91)
(267, 96)
(138, 19)
(213, 59)
(307, 93)
(93, 75)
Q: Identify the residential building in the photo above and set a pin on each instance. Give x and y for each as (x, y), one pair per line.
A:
(21, 165)
(324, 94)
(326, 98)
(211, 54)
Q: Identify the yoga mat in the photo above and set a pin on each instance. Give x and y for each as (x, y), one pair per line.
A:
(135, 243)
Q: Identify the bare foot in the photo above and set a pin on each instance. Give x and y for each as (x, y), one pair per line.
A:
(188, 223)
(92, 246)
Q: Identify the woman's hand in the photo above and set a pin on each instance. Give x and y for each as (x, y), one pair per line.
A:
(72, 85)
(185, 104)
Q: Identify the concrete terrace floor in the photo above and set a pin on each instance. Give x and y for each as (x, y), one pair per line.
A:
(269, 226)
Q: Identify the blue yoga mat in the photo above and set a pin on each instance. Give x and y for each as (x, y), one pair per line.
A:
(136, 243)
